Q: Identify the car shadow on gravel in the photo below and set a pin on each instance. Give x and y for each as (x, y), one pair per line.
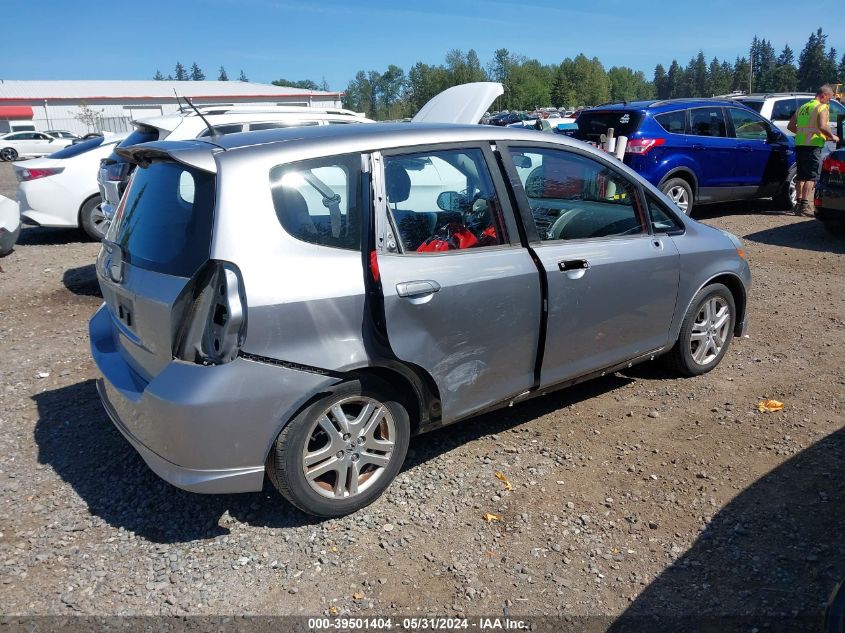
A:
(738, 207)
(809, 235)
(82, 281)
(78, 441)
(767, 561)
(43, 236)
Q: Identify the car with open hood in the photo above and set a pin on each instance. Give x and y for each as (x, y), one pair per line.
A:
(301, 302)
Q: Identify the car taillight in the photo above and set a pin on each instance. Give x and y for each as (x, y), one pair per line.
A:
(213, 316)
(26, 174)
(831, 164)
(643, 145)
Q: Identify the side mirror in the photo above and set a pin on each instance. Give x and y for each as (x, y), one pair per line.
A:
(450, 201)
(774, 135)
(522, 161)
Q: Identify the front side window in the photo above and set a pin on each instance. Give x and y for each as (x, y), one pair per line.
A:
(573, 196)
(748, 125)
(443, 201)
(319, 201)
(707, 122)
(662, 220)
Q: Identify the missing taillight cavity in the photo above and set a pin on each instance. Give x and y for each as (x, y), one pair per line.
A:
(213, 316)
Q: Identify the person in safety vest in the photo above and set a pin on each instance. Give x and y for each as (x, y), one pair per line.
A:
(810, 124)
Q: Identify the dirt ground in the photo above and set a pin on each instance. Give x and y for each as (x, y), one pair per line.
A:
(639, 493)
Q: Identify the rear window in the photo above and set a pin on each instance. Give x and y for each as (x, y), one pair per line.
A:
(593, 123)
(165, 219)
(143, 134)
(80, 148)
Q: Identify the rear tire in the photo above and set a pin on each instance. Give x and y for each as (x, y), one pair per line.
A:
(92, 220)
(706, 332)
(8, 154)
(787, 196)
(679, 192)
(349, 480)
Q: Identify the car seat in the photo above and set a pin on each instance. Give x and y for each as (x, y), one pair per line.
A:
(292, 211)
(414, 228)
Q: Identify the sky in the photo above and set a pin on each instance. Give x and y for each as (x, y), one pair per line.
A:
(316, 39)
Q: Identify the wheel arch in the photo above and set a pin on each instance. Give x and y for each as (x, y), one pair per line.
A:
(733, 283)
(82, 206)
(685, 173)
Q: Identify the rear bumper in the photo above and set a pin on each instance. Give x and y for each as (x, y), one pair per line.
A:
(45, 203)
(203, 429)
(832, 207)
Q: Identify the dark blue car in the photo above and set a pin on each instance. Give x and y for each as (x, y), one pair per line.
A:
(699, 150)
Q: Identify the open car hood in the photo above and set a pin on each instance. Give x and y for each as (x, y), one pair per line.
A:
(466, 103)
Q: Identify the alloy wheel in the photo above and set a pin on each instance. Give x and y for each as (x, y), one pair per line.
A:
(679, 196)
(8, 153)
(99, 221)
(349, 447)
(710, 330)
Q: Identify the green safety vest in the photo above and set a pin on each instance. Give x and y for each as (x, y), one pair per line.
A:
(807, 122)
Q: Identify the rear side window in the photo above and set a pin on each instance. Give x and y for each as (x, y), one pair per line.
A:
(319, 201)
(673, 122)
(757, 106)
(275, 125)
(783, 109)
(80, 148)
(592, 124)
(223, 129)
(165, 218)
(707, 122)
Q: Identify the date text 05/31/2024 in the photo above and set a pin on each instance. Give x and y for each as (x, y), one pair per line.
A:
(417, 624)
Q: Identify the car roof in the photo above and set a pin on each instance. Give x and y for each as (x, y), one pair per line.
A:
(664, 104)
(335, 139)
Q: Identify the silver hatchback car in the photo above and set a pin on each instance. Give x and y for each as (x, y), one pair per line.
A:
(301, 302)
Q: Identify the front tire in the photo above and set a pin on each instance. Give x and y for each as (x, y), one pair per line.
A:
(92, 220)
(679, 191)
(788, 195)
(8, 154)
(706, 332)
(341, 452)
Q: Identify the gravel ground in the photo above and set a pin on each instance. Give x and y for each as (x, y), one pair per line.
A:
(636, 493)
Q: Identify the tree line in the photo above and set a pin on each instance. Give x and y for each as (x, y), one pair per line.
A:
(583, 81)
(580, 81)
(180, 73)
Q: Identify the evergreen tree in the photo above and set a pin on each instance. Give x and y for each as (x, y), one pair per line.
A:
(721, 77)
(660, 82)
(812, 63)
(196, 73)
(158, 75)
(221, 75)
(841, 70)
(675, 80)
(180, 72)
(741, 74)
(242, 76)
(699, 79)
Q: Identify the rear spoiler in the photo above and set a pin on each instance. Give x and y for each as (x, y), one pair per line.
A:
(197, 154)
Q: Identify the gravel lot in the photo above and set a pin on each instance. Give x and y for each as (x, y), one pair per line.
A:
(636, 493)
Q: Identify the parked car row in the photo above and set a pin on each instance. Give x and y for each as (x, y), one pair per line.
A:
(16, 145)
(300, 302)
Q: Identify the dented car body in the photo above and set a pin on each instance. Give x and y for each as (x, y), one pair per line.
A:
(300, 302)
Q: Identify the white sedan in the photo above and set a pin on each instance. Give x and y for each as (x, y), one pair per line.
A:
(16, 145)
(61, 190)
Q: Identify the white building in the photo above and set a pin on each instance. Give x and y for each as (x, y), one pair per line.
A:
(90, 106)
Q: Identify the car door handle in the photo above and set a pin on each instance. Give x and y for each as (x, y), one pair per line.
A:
(416, 288)
(697, 146)
(568, 265)
(745, 148)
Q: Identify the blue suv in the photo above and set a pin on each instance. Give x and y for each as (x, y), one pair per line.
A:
(699, 150)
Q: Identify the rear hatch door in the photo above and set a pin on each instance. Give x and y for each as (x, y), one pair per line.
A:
(160, 237)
